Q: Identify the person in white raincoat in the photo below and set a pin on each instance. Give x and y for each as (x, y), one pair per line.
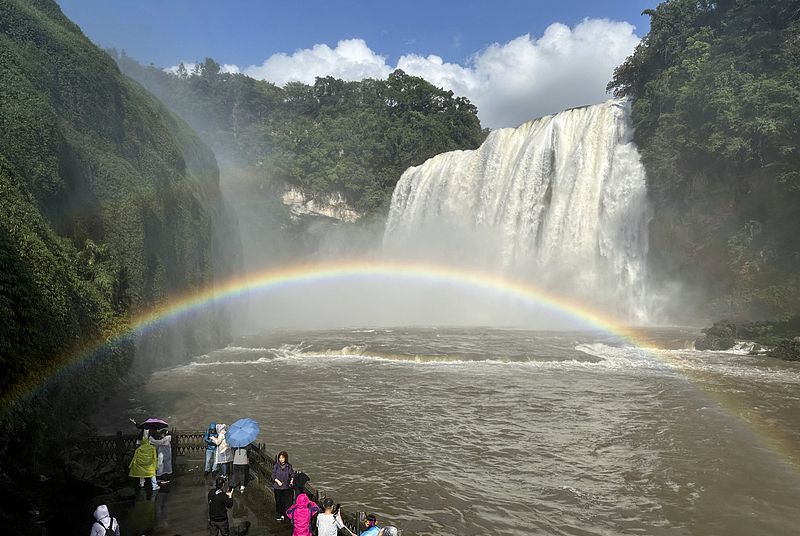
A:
(104, 522)
(164, 449)
(224, 452)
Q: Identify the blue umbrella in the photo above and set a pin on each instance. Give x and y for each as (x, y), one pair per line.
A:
(242, 433)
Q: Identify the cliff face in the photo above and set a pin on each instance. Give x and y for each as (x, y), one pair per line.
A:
(333, 206)
(716, 96)
(110, 205)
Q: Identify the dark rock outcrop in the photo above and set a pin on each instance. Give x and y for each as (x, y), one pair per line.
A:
(779, 339)
(720, 336)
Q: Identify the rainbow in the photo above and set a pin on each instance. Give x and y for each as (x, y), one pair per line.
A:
(363, 271)
(299, 275)
(277, 278)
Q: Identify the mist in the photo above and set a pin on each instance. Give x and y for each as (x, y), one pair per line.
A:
(452, 211)
(558, 203)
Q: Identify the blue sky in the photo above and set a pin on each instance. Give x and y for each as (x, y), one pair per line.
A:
(247, 33)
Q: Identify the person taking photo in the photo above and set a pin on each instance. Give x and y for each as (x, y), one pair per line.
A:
(219, 501)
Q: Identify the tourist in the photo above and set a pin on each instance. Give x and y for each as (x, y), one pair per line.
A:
(105, 525)
(219, 502)
(282, 473)
(211, 448)
(373, 529)
(144, 463)
(224, 452)
(301, 513)
(241, 470)
(329, 522)
(163, 452)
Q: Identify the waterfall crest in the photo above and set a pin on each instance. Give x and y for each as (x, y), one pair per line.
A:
(560, 201)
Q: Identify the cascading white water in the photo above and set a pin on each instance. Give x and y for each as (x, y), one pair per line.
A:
(559, 200)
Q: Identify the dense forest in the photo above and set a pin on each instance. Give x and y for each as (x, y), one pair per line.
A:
(353, 138)
(716, 106)
(109, 204)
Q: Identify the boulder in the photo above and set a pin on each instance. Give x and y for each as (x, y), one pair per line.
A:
(720, 336)
(787, 349)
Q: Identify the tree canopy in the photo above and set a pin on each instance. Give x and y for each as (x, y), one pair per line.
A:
(716, 101)
(355, 138)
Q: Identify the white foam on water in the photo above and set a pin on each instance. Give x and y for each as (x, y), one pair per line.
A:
(624, 357)
(610, 358)
(736, 364)
(604, 358)
(241, 350)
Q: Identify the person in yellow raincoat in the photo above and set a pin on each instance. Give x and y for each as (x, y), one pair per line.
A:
(144, 463)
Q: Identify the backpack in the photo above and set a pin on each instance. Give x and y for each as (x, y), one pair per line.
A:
(300, 480)
(109, 530)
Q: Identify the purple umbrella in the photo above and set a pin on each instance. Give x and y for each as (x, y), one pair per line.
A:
(153, 424)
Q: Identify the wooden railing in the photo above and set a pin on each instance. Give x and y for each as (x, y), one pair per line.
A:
(119, 449)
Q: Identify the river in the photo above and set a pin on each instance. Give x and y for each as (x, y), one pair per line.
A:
(490, 431)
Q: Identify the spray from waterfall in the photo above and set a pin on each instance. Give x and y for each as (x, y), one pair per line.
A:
(560, 201)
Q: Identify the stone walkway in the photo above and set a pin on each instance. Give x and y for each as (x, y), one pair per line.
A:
(180, 508)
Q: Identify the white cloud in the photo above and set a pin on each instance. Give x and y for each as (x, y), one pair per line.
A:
(510, 83)
(527, 77)
(352, 59)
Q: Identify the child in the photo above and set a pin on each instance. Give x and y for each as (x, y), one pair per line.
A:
(372, 526)
(328, 523)
(301, 513)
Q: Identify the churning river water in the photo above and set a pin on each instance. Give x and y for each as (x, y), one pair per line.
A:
(487, 431)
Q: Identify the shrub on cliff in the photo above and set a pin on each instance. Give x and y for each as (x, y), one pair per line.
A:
(108, 205)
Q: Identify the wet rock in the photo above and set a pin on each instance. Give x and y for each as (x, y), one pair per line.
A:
(720, 336)
(85, 466)
(788, 349)
(772, 338)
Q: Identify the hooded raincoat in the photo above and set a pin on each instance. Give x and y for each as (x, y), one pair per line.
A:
(164, 455)
(301, 513)
(144, 462)
(104, 520)
(211, 433)
(224, 451)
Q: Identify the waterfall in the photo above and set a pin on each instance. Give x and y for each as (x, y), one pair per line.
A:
(560, 201)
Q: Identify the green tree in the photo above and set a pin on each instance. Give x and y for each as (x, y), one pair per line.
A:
(354, 138)
(716, 97)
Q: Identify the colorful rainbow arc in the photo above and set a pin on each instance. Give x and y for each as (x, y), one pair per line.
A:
(340, 271)
(328, 272)
(307, 274)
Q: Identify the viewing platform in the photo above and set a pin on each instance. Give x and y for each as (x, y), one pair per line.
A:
(180, 506)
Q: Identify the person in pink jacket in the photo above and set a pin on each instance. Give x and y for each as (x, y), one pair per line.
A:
(301, 513)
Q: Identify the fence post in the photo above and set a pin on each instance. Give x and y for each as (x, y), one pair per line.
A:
(360, 517)
(173, 446)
